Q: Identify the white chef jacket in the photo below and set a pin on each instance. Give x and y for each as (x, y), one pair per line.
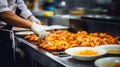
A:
(11, 5)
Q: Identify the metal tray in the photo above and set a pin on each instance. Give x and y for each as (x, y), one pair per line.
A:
(57, 59)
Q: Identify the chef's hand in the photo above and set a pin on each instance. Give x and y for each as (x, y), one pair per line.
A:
(38, 29)
(34, 19)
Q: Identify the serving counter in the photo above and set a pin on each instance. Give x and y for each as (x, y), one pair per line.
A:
(47, 59)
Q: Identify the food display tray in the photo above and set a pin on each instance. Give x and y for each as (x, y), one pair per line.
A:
(54, 59)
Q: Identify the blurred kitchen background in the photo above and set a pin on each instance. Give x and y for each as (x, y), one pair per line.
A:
(54, 12)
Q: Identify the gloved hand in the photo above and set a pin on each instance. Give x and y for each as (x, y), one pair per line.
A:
(34, 19)
(38, 29)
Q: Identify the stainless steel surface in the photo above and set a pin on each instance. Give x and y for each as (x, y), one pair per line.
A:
(60, 59)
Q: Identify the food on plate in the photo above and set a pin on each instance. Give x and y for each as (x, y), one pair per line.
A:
(108, 62)
(86, 52)
(117, 65)
(111, 65)
(111, 48)
(63, 39)
(113, 51)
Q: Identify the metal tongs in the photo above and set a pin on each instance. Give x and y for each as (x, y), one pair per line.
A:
(45, 41)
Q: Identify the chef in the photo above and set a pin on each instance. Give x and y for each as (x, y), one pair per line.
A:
(8, 17)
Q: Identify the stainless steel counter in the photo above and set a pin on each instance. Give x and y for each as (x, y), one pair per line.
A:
(49, 60)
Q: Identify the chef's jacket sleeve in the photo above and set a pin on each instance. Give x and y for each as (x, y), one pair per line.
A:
(4, 6)
(25, 12)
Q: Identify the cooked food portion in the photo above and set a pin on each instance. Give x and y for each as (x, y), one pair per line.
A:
(108, 62)
(86, 53)
(63, 39)
(117, 65)
(113, 51)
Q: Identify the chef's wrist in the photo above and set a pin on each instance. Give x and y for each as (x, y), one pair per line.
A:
(29, 17)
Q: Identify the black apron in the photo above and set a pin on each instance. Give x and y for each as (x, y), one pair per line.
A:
(6, 50)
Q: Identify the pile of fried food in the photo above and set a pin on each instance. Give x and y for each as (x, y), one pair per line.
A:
(63, 39)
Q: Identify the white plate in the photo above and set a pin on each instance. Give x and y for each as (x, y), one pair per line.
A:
(111, 48)
(72, 51)
(107, 61)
